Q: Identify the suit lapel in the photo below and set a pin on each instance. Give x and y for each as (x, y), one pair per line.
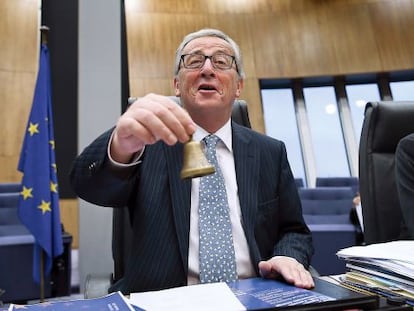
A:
(246, 158)
(180, 193)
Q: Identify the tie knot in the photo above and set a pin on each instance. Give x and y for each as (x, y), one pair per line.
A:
(211, 141)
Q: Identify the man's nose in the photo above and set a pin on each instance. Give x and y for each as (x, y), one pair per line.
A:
(207, 66)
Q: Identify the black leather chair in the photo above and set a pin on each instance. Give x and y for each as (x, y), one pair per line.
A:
(384, 125)
(121, 229)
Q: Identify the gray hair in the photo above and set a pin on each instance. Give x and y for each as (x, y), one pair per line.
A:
(207, 32)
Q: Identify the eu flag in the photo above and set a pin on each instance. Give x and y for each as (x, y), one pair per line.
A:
(39, 200)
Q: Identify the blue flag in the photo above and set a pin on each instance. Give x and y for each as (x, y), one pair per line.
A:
(39, 200)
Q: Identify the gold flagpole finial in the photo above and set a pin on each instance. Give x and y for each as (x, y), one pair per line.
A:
(44, 32)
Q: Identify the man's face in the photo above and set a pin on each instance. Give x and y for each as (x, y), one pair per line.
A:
(208, 90)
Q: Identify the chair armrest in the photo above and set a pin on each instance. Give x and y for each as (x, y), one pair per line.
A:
(332, 227)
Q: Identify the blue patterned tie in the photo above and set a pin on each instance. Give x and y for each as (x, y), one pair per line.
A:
(217, 260)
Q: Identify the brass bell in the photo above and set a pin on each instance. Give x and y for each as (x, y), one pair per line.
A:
(195, 163)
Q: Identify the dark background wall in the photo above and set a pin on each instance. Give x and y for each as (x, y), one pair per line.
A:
(62, 19)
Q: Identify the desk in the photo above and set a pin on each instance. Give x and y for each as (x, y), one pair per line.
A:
(345, 299)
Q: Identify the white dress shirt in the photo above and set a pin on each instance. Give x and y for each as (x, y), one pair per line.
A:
(225, 159)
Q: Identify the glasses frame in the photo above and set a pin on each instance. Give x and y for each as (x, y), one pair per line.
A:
(210, 57)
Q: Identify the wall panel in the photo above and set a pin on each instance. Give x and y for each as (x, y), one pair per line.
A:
(251, 93)
(69, 214)
(15, 98)
(286, 38)
(18, 68)
(393, 24)
(238, 27)
(351, 38)
(151, 48)
(140, 86)
(19, 35)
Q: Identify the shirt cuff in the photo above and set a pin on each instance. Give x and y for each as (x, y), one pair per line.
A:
(135, 160)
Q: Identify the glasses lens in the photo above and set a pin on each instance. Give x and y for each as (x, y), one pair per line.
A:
(193, 61)
(222, 61)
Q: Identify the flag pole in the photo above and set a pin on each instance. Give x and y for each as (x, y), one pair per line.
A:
(42, 277)
(44, 32)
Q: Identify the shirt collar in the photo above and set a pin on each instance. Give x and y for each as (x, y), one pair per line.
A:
(224, 133)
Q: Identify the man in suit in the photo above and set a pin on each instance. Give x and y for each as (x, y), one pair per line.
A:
(138, 163)
(404, 169)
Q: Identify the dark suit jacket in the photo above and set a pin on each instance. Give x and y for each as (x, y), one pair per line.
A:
(159, 202)
(404, 168)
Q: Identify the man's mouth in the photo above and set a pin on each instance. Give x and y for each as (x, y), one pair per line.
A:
(206, 87)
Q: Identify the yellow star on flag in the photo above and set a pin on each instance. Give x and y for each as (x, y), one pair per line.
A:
(52, 144)
(45, 207)
(53, 187)
(33, 128)
(27, 193)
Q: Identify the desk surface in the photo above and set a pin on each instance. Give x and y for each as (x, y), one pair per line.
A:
(345, 299)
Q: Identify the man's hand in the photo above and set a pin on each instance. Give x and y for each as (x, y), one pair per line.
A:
(289, 269)
(149, 119)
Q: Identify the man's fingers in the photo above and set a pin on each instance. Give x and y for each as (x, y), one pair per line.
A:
(299, 276)
(266, 270)
(162, 117)
(147, 120)
(292, 271)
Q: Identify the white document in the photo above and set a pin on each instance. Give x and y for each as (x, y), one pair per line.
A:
(214, 296)
(397, 250)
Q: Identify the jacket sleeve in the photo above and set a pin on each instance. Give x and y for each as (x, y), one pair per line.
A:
(404, 169)
(94, 180)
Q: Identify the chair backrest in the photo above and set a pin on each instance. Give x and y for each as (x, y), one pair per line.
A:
(299, 182)
(349, 181)
(326, 205)
(7, 187)
(121, 226)
(385, 123)
(326, 211)
(9, 202)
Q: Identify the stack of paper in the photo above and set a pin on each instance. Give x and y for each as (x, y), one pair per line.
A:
(383, 268)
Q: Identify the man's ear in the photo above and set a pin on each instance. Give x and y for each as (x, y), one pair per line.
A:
(176, 87)
(240, 85)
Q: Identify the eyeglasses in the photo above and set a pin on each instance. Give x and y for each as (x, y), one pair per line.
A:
(219, 61)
